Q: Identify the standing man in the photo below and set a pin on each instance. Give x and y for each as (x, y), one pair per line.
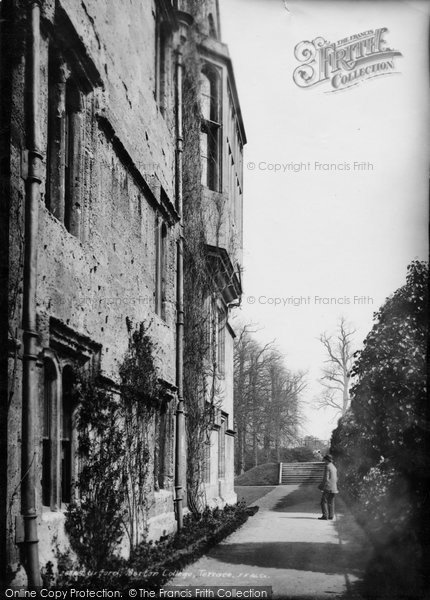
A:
(328, 488)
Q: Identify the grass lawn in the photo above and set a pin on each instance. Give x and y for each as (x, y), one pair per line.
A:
(251, 493)
(266, 474)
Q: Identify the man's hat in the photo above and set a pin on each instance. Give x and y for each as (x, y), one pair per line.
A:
(328, 457)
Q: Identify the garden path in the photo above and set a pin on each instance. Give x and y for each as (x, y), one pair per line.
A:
(286, 547)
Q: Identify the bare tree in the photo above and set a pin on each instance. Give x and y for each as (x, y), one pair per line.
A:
(284, 416)
(266, 401)
(336, 374)
(244, 348)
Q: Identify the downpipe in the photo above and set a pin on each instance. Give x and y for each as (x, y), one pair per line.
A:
(180, 417)
(29, 375)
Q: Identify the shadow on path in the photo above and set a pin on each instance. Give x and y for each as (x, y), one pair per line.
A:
(306, 499)
(250, 493)
(302, 556)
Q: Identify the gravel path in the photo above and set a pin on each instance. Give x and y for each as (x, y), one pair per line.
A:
(285, 546)
(251, 493)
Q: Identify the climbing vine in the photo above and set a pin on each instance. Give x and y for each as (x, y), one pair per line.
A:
(140, 397)
(114, 441)
(95, 521)
(200, 361)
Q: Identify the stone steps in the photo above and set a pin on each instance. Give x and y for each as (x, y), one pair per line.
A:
(310, 473)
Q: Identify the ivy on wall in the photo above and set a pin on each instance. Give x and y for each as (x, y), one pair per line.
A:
(201, 386)
(114, 449)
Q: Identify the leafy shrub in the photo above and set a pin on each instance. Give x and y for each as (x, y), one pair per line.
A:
(113, 445)
(381, 443)
(94, 522)
(151, 564)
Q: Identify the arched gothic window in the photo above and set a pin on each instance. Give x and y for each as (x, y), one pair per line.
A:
(210, 137)
(67, 408)
(49, 411)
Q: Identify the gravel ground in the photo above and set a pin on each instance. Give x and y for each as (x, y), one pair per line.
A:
(251, 493)
(286, 547)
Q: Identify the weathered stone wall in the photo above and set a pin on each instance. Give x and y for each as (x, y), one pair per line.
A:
(93, 287)
(220, 491)
(120, 38)
(100, 283)
(93, 282)
(223, 223)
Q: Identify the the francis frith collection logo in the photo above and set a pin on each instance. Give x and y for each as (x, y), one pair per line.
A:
(345, 63)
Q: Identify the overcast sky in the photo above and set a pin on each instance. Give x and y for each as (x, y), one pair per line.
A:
(331, 234)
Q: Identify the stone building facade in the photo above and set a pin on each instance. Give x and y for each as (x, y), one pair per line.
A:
(90, 186)
(222, 141)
